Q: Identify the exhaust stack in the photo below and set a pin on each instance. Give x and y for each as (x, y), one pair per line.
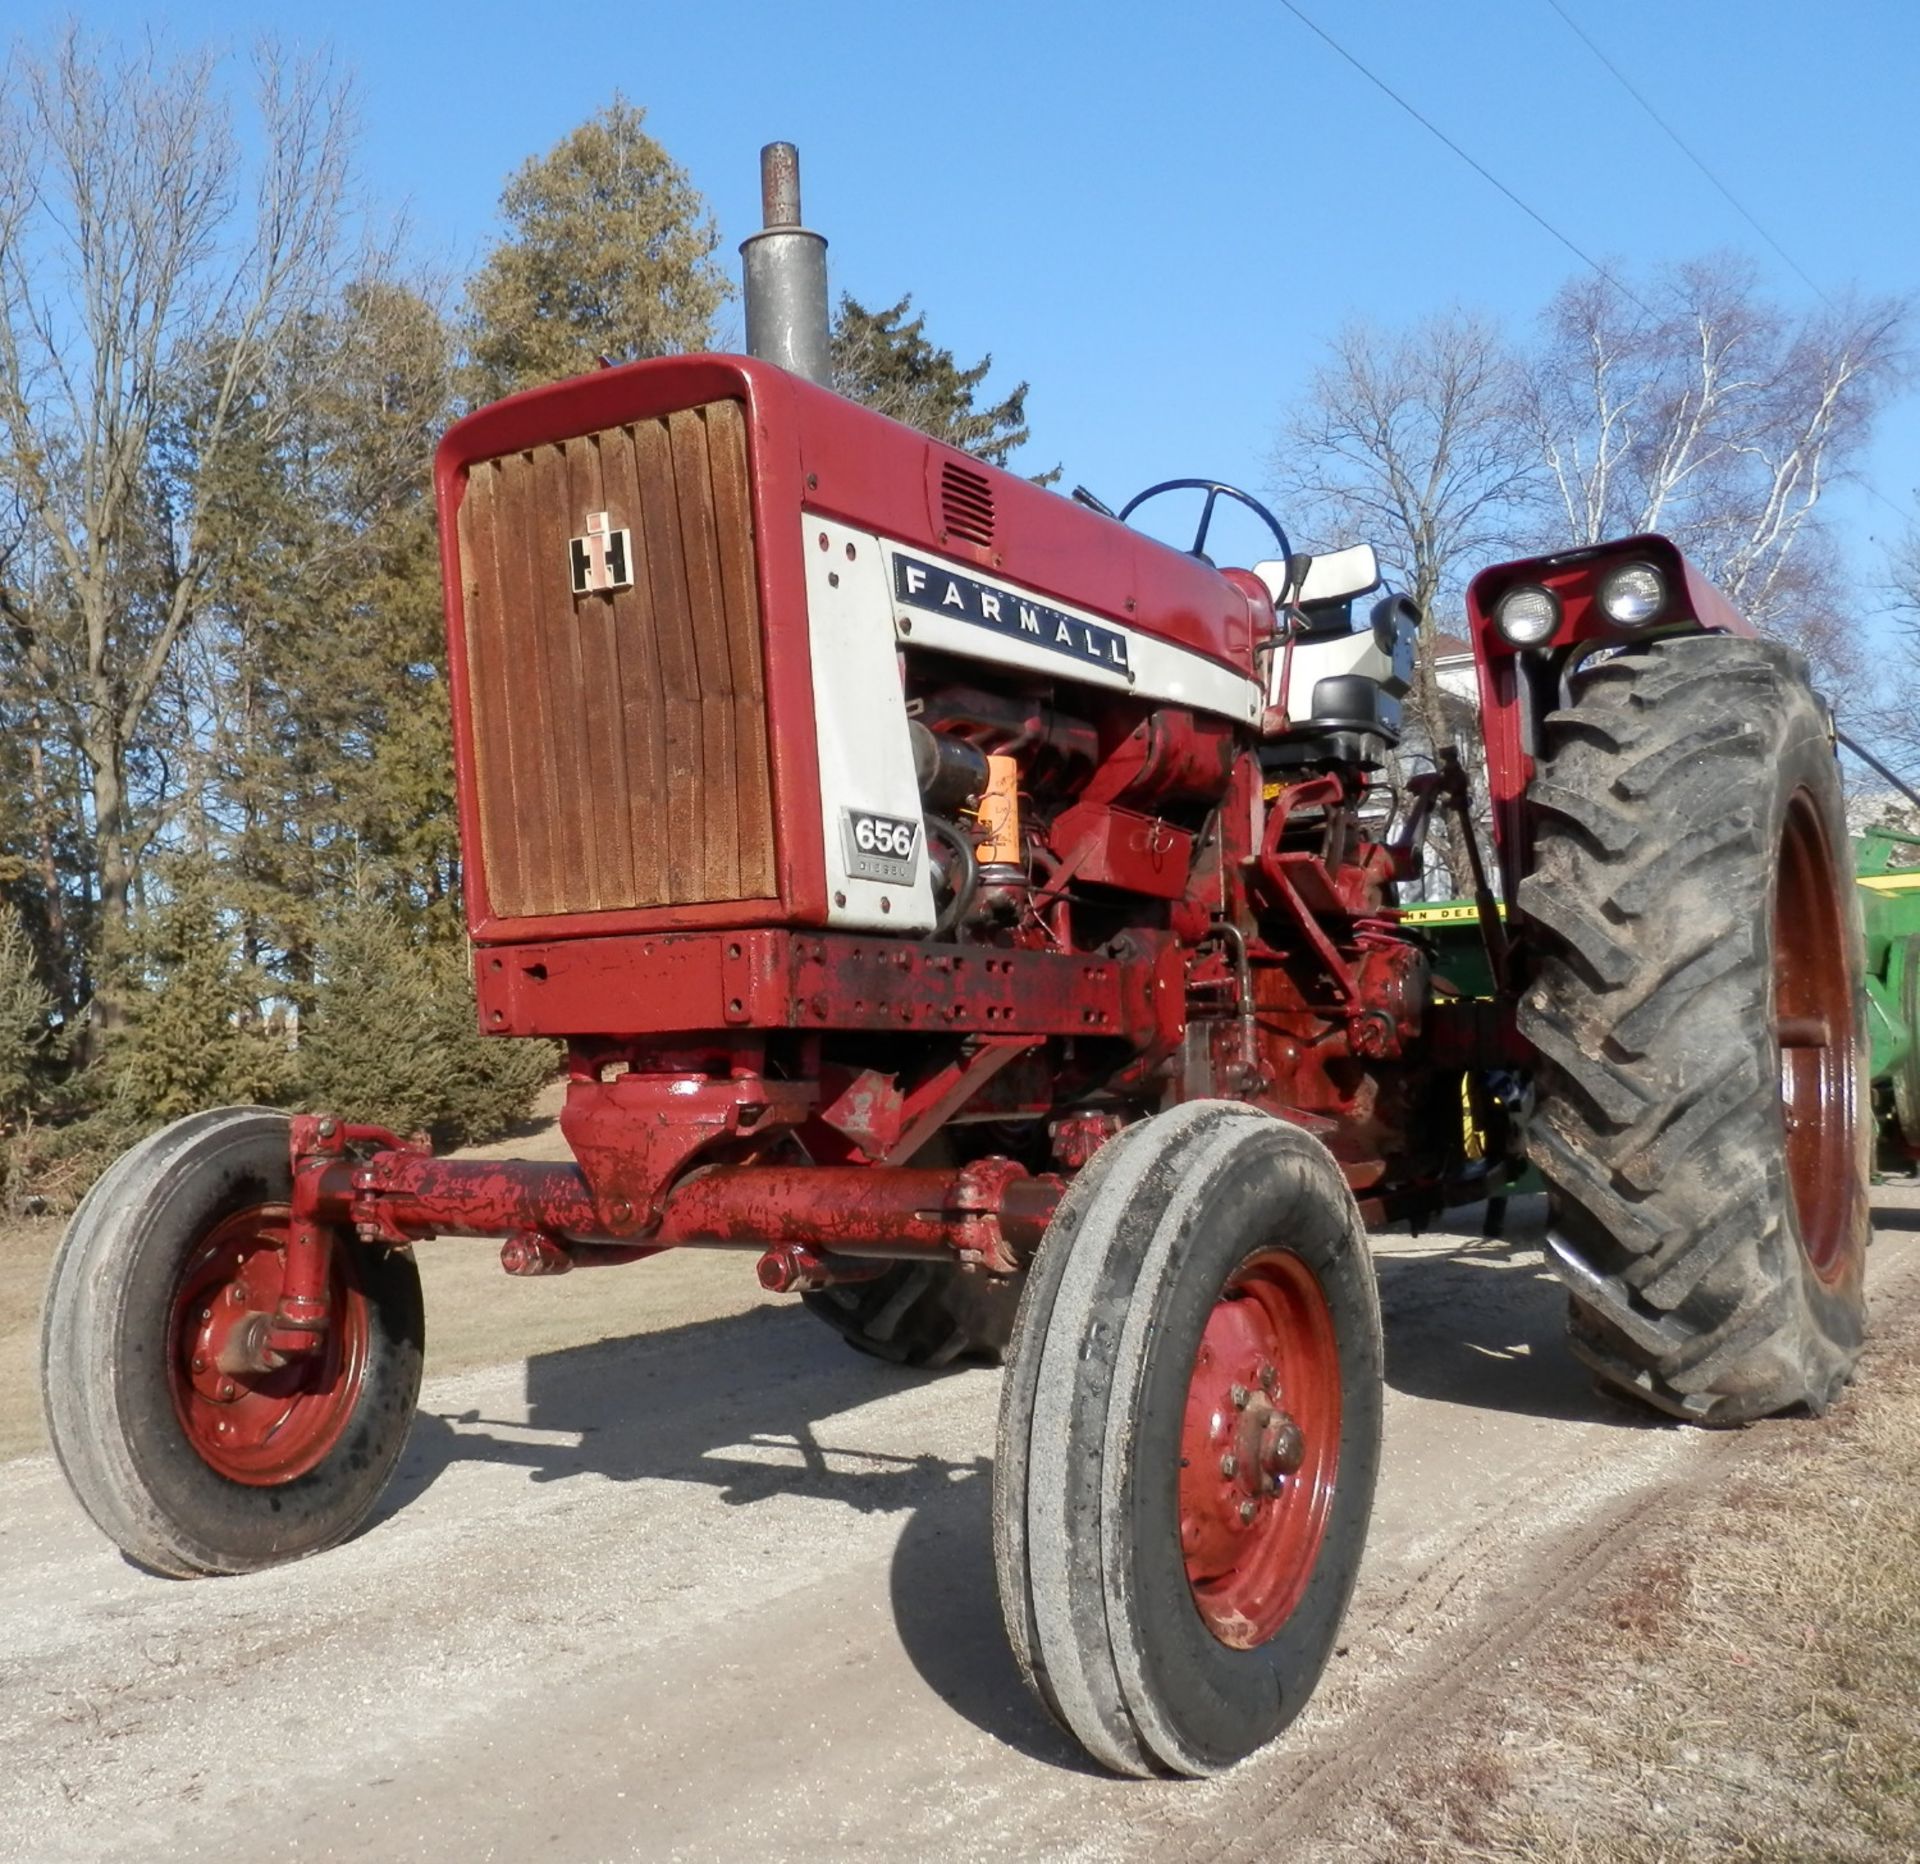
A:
(785, 274)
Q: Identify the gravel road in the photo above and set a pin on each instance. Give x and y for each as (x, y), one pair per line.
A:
(723, 1589)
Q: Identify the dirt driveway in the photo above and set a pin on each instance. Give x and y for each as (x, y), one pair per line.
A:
(718, 1587)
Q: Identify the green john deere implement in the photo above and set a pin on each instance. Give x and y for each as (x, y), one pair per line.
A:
(1887, 867)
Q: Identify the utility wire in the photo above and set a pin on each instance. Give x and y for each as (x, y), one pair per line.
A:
(1478, 168)
(1627, 85)
(1679, 142)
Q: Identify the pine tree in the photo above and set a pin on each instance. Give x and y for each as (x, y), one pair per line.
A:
(608, 252)
(333, 744)
(394, 1038)
(884, 360)
(29, 1041)
(196, 1035)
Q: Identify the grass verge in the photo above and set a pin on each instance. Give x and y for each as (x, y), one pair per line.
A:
(1747, 1688)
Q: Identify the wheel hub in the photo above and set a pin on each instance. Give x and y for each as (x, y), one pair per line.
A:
(1813, 1027)
(250, 1415)
(1259, 1448)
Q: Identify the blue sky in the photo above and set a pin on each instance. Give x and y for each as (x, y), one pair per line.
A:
(1157, 214)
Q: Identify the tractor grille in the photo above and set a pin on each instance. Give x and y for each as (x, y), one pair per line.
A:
(620, 734)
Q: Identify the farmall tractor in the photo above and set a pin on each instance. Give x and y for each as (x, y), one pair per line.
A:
(986, 916)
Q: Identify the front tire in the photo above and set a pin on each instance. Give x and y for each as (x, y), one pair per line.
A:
(190, 1472)
(1702, 1120)
(1189, 1440)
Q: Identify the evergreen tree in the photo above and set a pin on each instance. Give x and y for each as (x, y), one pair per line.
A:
(608, 252)
(196, 1036)
(29, 1041)
(884, 360)
(395, 1039)
(331, 734)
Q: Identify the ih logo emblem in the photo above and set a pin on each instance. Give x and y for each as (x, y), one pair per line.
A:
(603, 559)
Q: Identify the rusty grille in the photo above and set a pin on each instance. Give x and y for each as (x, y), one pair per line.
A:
(620, 736)
(966, 504)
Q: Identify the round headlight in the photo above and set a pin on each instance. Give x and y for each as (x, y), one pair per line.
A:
(1633, 595)
(1527, 616)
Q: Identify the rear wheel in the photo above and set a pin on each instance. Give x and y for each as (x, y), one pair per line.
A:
(1189, 1439)
(194, 1469)
(1702, 1120)
(924, 1314)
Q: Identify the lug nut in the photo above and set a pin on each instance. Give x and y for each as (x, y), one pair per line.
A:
(226, 1389)
(1239, 1397)
(1266, 1378)
(1229, 1464)
(1247, 1512)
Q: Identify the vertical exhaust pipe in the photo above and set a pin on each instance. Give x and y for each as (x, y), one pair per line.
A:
(785, 274)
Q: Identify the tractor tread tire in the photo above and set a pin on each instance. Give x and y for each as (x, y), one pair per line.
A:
(1660, 796)
(923, 1315)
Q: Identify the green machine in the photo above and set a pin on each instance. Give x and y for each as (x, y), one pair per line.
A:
(1887, 865)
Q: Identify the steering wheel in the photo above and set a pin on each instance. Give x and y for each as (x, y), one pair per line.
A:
(1215, 491)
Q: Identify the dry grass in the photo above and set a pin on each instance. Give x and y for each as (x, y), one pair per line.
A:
(1748, 1689)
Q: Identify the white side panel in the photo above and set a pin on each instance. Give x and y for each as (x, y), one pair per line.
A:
(860, 718)
(1153, 669)
(1326, 660)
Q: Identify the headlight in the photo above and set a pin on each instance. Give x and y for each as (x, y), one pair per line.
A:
(1633, 595)
(1527, 616)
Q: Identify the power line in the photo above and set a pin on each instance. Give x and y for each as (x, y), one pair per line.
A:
(1478, 168)
(1627, 85)
(1680, 143)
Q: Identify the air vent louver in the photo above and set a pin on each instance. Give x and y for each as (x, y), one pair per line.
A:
(966, 505)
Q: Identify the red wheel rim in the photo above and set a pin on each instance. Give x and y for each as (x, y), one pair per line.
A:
(1259, 1448)
(1815, 1040)
(260, 1428)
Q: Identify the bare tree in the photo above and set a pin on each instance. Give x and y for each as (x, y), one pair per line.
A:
(1418, 444)
(1889, 714)
(1702, 411)
(135, 243)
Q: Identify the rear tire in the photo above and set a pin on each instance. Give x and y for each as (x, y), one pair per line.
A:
(1176, 1532)
(923, 1314)
(187, 1477)
(1702, 1120)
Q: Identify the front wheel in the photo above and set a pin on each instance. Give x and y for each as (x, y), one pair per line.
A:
(192, 1469)
(1189, 1440)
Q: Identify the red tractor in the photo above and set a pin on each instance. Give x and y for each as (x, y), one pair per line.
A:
(987, 916)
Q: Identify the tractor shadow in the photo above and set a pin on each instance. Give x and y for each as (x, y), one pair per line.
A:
(753, 1406)
(1480, 1322)
(1891, 1216)
(770, 1403)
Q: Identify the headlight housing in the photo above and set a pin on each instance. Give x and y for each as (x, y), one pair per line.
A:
(1633, 595)
(1527, 615)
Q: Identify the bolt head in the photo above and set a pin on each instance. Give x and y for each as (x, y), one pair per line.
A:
(1239, 1397)
(1229, 1464)
(199, 1362)
(1247, 1512)
(1267, 1377)
(328, 1128)
(227, 1388)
